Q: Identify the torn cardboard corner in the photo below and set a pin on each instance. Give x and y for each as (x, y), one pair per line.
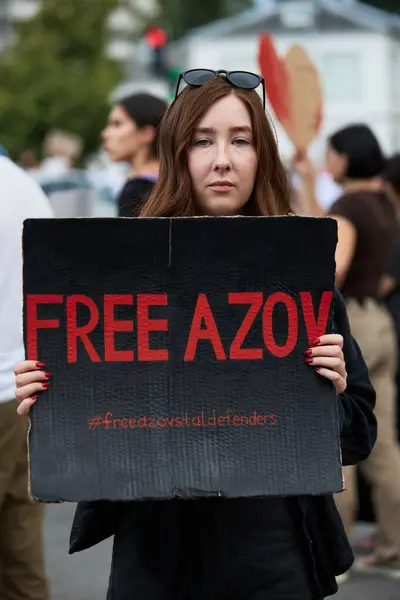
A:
(177, 353)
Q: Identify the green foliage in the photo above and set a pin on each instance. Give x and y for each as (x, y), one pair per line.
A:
(390, 5)
(57, 75)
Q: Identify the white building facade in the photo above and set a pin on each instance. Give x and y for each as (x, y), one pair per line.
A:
(356, 49)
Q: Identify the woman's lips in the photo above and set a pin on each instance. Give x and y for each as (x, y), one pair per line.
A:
(222, 186)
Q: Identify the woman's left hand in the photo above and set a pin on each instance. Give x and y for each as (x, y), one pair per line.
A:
(326, 356)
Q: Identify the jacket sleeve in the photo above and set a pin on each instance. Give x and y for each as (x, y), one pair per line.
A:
(94, 522)
(357, 403)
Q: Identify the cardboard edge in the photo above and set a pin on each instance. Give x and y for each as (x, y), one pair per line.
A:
(25, 225)
(31, 496)
(337, 397)
(170, 220)
(343, 477)
(333, 319)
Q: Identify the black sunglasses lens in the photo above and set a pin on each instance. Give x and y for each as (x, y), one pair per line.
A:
(198, 76)
(246, 81)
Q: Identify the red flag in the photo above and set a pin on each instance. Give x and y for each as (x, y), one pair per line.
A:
(276, 78)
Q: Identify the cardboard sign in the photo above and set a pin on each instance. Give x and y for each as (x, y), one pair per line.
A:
(177, 353)
(294, 90)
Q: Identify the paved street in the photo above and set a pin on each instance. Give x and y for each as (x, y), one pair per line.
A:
(84, 576)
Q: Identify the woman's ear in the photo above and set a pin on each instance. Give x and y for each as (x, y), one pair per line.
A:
(343, 163)
(147, 134)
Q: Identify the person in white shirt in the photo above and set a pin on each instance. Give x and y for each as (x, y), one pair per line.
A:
(23, 575)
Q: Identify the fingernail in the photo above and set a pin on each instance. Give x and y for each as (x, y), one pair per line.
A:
(317, 342)
(317, 368)
(34, 397)
(47, 375)
(309, 361)
(39, 365)
(46, 385)
(307, 352)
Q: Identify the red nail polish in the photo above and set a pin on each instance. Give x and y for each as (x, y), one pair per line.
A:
(317, 342)
(39, 365)
(317, 368)
(46, 385)
(309, 361)
(34, 397)
(47, 375)
(308, 352)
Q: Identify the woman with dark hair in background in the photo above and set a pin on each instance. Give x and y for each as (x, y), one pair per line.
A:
(367, 234)
(131, 136)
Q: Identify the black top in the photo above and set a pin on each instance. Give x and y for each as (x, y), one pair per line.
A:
(133, 195)
(374, 218)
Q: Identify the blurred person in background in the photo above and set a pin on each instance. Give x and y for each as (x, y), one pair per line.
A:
(367, 233)
(69, 189)
(22, 569)
(28, 161)
(131, 136)
(62, 151)
(390, 284)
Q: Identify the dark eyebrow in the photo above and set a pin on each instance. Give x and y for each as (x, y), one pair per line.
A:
(204, 130)
(239, 129)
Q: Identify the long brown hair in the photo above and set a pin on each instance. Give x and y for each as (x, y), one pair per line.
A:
(173, 195)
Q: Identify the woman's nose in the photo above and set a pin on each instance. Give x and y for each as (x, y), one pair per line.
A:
(222, 159)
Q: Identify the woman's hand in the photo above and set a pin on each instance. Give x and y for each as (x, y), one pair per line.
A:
(326, 356)
(307, 192)
(30, 379)
(302, 164)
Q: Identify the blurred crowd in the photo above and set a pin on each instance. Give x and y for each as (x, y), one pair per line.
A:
(121, 176)
(367, 209)
(357, 185)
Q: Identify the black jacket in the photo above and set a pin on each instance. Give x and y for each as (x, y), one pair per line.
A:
(133, 196)
(329, 548)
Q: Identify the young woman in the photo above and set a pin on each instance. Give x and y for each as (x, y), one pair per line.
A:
(130, 136)
(219, 157)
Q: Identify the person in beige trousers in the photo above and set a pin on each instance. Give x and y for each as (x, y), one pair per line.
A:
(367, 233)
(372, 327)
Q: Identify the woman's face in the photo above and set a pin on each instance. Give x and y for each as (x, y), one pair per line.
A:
(336, 164)
(121, 137)
(222, 159)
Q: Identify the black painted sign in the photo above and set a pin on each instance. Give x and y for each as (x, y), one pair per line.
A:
(176, 348)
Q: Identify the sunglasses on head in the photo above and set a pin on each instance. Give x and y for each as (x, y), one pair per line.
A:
(240, 79)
